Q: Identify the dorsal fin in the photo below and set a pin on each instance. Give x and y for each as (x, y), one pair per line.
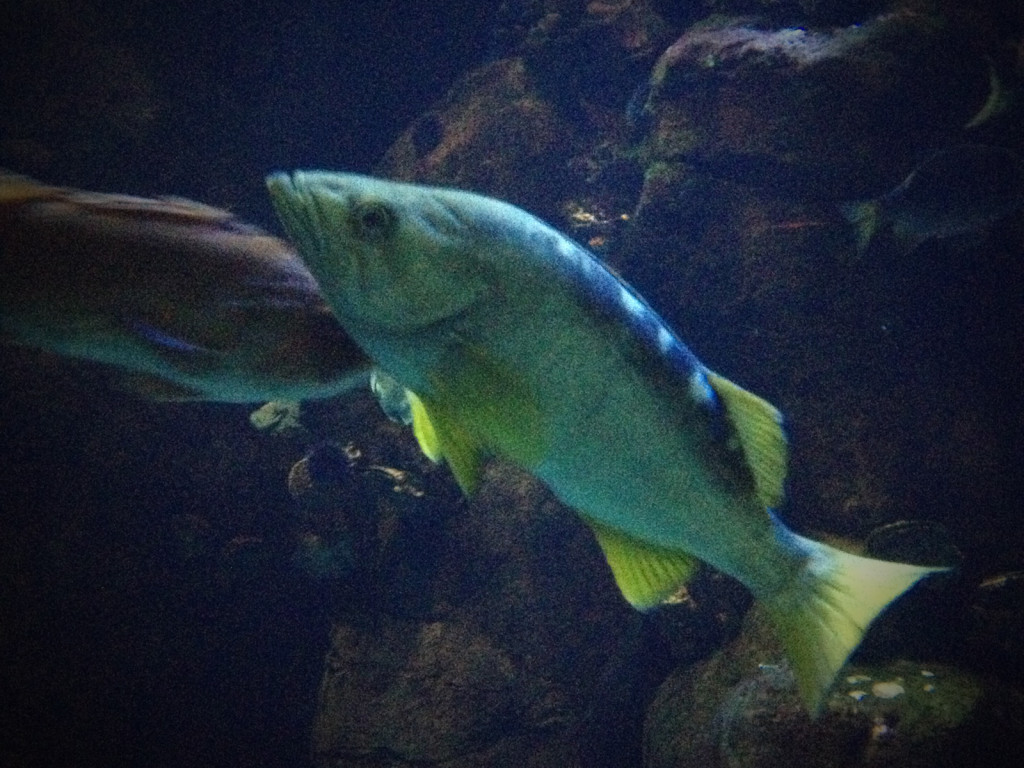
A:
(758, 426)
(646, 574)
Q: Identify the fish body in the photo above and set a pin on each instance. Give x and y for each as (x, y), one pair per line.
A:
(515, 341)
(957, 191)
(186, 300)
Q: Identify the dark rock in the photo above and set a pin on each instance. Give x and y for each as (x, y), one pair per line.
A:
(706, 616)
(492, 133)
(526, 127)
(601, 30)
(740, 709)
(996, 643)
(518, 647)
(428, 691)
(822, 114)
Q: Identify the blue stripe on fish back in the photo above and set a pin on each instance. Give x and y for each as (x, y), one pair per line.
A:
(614, 300)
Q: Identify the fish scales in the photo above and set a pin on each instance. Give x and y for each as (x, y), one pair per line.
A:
(616, 358)
(513, 340)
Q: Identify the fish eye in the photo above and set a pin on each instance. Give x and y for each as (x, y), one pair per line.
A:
(374, 220)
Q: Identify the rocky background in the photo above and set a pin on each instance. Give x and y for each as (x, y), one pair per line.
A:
(181, 589)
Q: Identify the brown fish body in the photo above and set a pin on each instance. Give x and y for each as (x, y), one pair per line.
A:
(185, 298)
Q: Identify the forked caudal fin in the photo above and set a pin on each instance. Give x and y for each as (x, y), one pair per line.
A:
(822, 617)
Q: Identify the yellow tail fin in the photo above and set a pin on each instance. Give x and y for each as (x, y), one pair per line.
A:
(822, 617)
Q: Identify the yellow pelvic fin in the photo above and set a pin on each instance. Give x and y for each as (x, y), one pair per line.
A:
(491, 401)
(758, 426)
(823, 615)
(442, 437)
(423, 428)
(646, 575)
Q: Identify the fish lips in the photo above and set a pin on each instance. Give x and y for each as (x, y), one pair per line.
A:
(315, 212)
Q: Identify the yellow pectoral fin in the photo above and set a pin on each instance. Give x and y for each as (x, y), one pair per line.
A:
(646, 575)
(758, 426)
(493, 401)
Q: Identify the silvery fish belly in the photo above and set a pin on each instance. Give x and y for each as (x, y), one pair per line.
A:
(512, 340)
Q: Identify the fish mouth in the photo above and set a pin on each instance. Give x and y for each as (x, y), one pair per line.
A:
(302, 206)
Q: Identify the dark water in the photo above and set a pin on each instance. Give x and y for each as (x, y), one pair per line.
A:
(202, 99)
(152, 611)
(128, 638)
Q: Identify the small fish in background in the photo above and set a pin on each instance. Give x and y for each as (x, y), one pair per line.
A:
(957, 191)
(512, 340)
(186, 300)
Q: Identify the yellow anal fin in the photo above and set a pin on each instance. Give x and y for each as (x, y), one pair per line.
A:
(441, 437)
(758, 426)
(646, 575)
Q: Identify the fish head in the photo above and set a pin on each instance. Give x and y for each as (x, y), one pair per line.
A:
(384, 253)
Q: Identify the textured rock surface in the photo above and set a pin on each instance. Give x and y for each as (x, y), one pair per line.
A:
(740, 709)
(509, 649)
(814, 113)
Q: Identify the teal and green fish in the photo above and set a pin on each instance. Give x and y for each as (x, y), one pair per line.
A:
(184, 299)
(514, 341)
(957, 191)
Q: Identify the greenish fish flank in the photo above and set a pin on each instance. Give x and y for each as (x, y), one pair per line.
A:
(516, 342)
(183, 300)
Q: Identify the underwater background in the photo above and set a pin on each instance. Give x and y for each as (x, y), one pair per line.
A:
(181, 587)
